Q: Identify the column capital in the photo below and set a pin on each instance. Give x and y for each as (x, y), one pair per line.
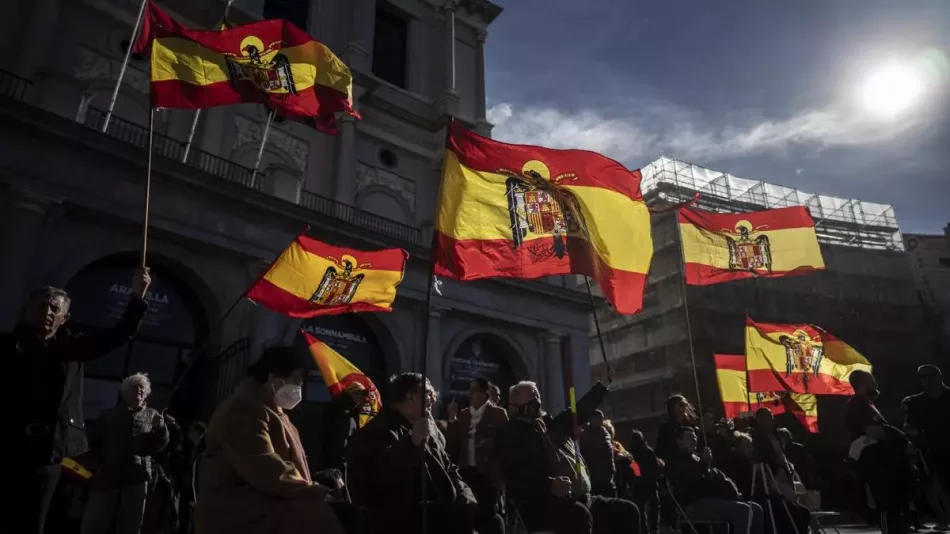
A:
(481, 37)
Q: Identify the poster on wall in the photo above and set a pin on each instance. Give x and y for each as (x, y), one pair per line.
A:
(477, 357)
(101, 292)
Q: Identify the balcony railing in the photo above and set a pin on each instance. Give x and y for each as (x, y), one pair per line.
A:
(174, 149)
(13, 86)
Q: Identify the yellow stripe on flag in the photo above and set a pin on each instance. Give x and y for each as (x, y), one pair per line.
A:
(298, 271)
(791, 248)
(732, 385)
(475, 207)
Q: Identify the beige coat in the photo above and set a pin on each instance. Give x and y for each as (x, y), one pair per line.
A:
(249, 481)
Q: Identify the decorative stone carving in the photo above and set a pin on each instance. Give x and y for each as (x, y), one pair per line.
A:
(369, 176)
(91, 66)
(249, 131)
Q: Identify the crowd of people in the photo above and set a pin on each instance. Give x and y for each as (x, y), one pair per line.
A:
(490, 468)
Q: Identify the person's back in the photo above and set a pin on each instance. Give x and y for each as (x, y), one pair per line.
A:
(597, 448)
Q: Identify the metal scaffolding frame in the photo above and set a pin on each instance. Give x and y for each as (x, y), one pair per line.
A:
(838, 221)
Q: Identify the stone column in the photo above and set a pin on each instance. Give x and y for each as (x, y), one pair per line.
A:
(23, 221)
(345, 187)
(434, 355)
(553, 374)
(480, 110)
(449, 100)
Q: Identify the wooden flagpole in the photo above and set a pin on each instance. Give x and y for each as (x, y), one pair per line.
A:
(125, 64)
(148, 188)
(600, 336)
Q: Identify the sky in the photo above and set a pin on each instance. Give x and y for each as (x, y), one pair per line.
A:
(770, 90)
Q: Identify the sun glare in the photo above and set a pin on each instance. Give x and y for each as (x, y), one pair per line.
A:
(892, 89)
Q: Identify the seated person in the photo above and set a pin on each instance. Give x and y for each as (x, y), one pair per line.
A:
(705, 493)
(254, 475)
(545, 478)
(386, 459)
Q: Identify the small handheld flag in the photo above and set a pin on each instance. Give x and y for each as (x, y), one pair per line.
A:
(340, 376)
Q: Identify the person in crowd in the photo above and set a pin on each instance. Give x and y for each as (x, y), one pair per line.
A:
(875, 443)
(545, 477)
(679, 413)
(253, 475)
(494, 394)
(644, 488)
(720, 436)
(598, 451)
(924, 422)
(622, 464)
(770, 456)
(386, 459)
(798, 456)
(470, 443)
(704, 492)
(183, 472)
(341, 418)
(49, 424)
(161, 504)
(123, 440)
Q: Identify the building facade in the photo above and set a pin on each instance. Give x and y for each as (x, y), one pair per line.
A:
(930, 259)
(866, 296)
(72, 200)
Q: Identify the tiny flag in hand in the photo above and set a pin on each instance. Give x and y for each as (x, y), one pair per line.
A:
(311, 278)
(800, 358)
(736, 397)
(720, 247)
(520, 211)
(341, 376)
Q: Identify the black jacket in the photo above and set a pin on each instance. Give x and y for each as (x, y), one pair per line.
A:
(337, 418)
(48, 421)
(598, 451)
(125, 442)
(384, 469)
(521, 450)
(691, 479)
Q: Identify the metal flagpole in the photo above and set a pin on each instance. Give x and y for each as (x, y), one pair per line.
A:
(194, 122)
(689, 334)
(148, 186)
(260, 151)
(125, 64)
(600, 336)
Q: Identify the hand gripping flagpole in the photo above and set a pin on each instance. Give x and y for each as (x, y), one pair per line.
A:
(125, 64)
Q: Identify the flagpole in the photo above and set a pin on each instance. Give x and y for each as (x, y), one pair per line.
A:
(567, 363)
(689, 333)
(260, 150)
(191, 135)
(125, 64)
(148, 187)
(600, 336)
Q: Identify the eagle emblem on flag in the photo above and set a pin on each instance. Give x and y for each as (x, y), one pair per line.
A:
(747, 250)
(262, 66)
(802, 352)
(339, 282)
(536, 205)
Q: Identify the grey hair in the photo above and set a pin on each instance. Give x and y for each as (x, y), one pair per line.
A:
(138, 379)
(50, 293)
(524, 384)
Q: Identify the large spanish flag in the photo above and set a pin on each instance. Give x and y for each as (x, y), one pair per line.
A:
(719, 247)
(272, 62)
(736, 398)
(800, 358)
(311, 278)
(340, 376)
(524, 211)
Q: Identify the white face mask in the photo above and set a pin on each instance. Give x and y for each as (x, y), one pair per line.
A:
(288, 396)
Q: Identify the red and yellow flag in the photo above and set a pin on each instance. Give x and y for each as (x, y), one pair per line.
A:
(719, 247)
(272, 62)
(311, 278)
(736, 398)
(800, 358)
(340, 376)
(523, 211)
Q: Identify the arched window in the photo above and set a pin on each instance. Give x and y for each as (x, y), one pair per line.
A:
(482, 355)
(173, 326)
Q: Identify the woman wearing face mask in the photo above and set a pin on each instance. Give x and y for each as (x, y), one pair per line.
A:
(254, 477)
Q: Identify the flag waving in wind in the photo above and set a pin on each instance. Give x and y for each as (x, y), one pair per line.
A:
(271, 61)
(736, 398)
(522, 211)
(341, 376)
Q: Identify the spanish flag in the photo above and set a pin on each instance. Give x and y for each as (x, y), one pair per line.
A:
(272, 62)
(800, 358)
(311, 278)
(341, 376)
(720, 247)
(522, 211)
(736, 398)
(72, 467)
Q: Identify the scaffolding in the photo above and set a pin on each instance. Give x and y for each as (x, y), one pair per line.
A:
(838, 221)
